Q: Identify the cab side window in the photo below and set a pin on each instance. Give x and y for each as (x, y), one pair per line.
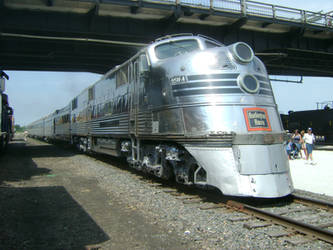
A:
(210, 44)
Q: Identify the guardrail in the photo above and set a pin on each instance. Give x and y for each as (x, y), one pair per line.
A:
(252, 8)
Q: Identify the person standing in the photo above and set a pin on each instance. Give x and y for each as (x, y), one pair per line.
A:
(303, 143)
(309, 140)
(289, 149)
(297, 139)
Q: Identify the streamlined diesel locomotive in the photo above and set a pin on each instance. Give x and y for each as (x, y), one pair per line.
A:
(185, 107)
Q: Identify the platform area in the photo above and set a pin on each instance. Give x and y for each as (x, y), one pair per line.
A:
(316, 178)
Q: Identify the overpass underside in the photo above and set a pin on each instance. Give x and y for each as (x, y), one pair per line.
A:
(94, 36)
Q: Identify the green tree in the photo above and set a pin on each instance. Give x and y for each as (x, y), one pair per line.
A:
(18, 128)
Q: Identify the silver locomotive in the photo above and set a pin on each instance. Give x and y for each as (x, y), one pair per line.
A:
(185, 107)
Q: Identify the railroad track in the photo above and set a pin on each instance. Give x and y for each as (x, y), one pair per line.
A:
(301, 218)
(312, 230)
(313, 202)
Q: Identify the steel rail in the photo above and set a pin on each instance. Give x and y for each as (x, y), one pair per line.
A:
(307, 229)
(310, 201)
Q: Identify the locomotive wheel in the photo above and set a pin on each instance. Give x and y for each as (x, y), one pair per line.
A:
(166, 172)
(185, 173)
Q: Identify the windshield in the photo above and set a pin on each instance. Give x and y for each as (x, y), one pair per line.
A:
(210, 44)
(175, 48)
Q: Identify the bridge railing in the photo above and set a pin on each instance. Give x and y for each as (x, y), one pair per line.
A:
(253, 8)
(227, 5)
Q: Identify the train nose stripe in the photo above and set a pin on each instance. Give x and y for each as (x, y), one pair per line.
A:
(212, 76)
(208, 91)
(204, 84)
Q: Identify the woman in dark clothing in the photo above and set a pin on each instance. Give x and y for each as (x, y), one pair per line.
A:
(297, 139)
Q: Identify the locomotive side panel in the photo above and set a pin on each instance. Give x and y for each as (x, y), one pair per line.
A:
(107, 117)
(140, 95)
(79, 119)
(168, 121)
(110, 112)
(61, 124)
(48, 127)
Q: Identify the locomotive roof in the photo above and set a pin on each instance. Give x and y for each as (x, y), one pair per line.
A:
(158, 41)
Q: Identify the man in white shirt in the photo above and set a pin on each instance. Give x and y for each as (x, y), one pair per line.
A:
(309, 140)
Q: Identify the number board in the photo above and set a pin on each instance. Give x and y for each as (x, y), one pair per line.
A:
(257, 119)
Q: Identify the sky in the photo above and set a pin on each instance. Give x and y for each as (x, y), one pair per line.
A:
(34, 94)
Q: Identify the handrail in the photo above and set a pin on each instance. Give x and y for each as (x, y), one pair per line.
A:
(257, 9)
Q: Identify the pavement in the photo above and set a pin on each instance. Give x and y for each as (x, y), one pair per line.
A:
(316, 178)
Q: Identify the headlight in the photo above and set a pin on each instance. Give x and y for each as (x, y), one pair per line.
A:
(248, 83)
(242, 52)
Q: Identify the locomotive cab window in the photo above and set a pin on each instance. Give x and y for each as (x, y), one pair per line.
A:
(175, 48)
(74, 104)
(144, 67)
(210, 44)
(130, 72)
(91, 94)
(122, 76)
(65, 118)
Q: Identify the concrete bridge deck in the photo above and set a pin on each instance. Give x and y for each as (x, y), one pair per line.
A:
(89, 35)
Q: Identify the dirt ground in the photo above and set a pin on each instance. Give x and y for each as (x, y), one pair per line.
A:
(48, 202)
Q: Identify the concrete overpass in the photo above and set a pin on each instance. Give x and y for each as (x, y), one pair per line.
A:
(95, 35)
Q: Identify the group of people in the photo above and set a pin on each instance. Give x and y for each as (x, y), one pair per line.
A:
(301, 141)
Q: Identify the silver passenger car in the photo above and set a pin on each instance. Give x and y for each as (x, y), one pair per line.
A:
(190, 108)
